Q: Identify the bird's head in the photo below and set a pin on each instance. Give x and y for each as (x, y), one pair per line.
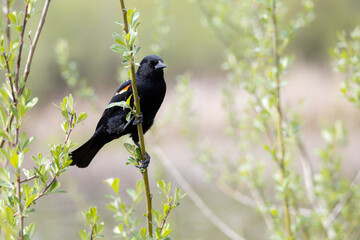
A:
(151, 65)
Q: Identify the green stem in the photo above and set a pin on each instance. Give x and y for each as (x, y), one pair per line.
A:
(139, 127)
(280, 139)
(18, 195)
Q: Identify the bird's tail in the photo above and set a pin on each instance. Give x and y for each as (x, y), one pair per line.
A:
(82, 156)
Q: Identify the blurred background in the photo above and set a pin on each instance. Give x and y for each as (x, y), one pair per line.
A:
(190, 47)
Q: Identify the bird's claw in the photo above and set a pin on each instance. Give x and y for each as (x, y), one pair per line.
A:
(145, 163)
(139, 119)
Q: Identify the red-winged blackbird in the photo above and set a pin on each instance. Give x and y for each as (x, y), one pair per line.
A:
(113, 124)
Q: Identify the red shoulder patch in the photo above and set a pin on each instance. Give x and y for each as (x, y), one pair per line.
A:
(124, 89)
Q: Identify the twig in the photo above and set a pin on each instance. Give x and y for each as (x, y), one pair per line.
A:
(33, 45)
(165, 217)
(139, 126)
(92, 232)
(18, 195)
(29, 59)
(70, 130)
(341, 204)
(223, 227)
(8, 23)
(280, 140)
(238, 196)
(44, 192)
(8, 73)
(308, 173)
(28, 179)
(17, 72)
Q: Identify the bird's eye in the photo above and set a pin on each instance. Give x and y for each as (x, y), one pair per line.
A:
(152, 63)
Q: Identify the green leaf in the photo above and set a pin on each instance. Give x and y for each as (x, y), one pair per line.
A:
(132, 193)
(119, 48)
(129, 15)
(162, 186)
(166, 233)
(117, 104)
(3, 116)
(30, 104)
(5, 179)
(114, 183)
(128, 116)
(82, 117)
(130, 148)
(135, 17)
(12, 17)
(30, 230)
(14, 160)
(117, 37)
(82, 234)
(143, 233)
(128, 100)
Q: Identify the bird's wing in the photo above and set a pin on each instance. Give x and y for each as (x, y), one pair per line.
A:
(122, 94)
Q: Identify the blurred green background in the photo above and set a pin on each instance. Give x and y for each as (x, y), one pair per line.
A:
(190, 46)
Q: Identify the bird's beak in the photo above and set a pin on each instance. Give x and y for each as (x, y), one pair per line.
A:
(160, 65)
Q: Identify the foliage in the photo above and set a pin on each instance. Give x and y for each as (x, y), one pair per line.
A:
(92, 220)
(347, 58)
(22, 187)
(255, 36)
(124, 213)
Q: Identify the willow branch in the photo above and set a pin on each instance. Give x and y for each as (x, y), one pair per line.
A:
(17, 72)
(8, 23)
(280, 140)
(34, 44)
(139, 126)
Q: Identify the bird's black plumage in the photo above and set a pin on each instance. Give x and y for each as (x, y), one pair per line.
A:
(113, 124)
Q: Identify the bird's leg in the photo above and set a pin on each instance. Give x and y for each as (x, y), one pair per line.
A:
(139, 120)
(146, 162)
(130, 120)
(133, 121)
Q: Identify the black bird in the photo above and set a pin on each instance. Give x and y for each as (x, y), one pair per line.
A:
(113, 124)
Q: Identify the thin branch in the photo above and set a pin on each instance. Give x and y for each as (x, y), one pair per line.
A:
(44, 192)
(17, 72)
(222, 226)
(34, 43)
(29, 60)
(308, 173)
(28, 179)
(8, 73)
(70, 130)
(341, 204)
(18, 195)
(8, 23)
(238, 196)
(139, 126)
(165, 217)
(279, 133)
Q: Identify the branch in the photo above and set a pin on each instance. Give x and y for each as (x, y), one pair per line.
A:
(341, 204)
(222, 226)
(8, 73)
(34, 43)
(29, 59)
(17, 72)
(280, 140)
(165, 217)
(18, 195)
(44, 192)
(139, 126)
(308, 173)
(8, 23)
